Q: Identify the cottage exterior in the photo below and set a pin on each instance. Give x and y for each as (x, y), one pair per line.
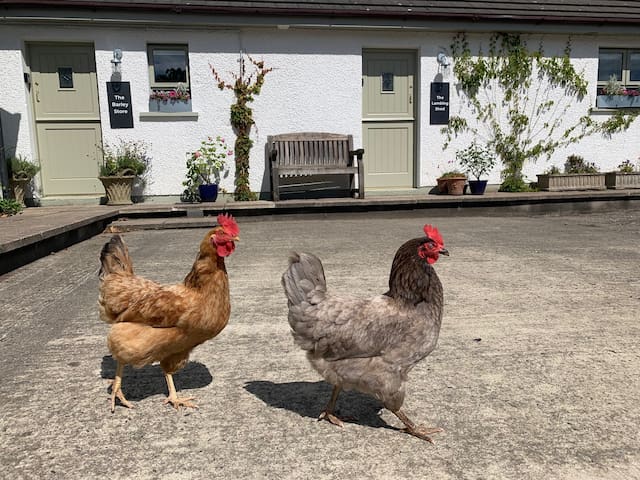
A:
(361, 68)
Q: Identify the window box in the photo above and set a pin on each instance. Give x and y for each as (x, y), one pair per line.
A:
(571, 181)
(619, 180)
(618, 101)
(170, 106)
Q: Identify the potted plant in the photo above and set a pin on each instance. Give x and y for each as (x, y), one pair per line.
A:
(452, 182)
(627, 176)
(205, 167)
(21, 172)
(121, 165)
(476, 161)
(578, 175)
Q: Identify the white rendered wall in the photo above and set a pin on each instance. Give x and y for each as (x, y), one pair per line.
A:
(315, 86)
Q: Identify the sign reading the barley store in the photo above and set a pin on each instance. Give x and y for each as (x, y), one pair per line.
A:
(439, 104)
(120, 112)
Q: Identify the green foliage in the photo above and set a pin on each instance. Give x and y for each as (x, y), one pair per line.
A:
(193, 180)
(125, 158)
(244, 89)
(20, 168)
(452, 173)
(509, 91)
(627, 167)
(476, 160)
(9, 207)
(576, 164)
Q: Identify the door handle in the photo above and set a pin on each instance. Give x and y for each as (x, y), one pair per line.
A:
(37, 85)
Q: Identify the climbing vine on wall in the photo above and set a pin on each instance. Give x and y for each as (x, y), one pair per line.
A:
(244, 89)
(518, 101)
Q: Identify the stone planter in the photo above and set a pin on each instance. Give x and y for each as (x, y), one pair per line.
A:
(571, 181)
(619, 180)
(118, 189)
(19, 187)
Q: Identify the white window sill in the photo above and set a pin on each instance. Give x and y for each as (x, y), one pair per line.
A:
(155, 116)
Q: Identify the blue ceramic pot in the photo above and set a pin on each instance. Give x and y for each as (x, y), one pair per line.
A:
(208, 192)
(477, 187)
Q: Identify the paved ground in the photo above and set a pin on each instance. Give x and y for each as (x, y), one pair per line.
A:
(536, 375)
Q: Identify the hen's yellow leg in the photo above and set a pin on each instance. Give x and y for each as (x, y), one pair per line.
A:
(116, 389)
(173, 396)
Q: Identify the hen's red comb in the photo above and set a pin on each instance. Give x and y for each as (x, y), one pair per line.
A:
(433, 233)
(226, 221)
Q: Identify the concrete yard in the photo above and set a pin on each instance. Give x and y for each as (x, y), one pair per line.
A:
(536, 374)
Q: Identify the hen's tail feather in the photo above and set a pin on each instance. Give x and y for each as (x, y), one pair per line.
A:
(114, 258)
(304, 280)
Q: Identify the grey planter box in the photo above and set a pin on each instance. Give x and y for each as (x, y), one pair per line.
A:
(619, 180)
(617, 101)
(170, 106)
(572, 181)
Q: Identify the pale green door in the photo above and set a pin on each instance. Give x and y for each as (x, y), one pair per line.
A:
(388, 118)
(64, 89)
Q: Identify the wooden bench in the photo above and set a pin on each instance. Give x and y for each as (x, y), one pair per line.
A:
(295, 154)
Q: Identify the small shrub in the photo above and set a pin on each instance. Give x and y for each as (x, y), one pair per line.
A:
(126, 158)
(20, 168)
(626, 167)
(9, 207)
(577, 164)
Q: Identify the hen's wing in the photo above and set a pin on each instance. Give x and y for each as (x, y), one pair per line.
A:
(337, 327)
(342, 327)
(136, 299)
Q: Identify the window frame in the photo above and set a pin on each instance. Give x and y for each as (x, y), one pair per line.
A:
(625, 80)
(150, 58)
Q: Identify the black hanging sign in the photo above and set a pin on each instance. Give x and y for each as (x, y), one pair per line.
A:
(439, 103)
(120, 112)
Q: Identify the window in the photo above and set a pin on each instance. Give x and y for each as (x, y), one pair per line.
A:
(618, 76)
(169, 78)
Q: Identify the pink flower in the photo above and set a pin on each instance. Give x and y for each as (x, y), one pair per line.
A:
(230, 152)
(197, 154)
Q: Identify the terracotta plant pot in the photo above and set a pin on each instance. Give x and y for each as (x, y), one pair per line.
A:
(442, 185)
(455, 185)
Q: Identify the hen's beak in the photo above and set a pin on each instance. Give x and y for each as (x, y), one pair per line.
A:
(235, 239)
(444, 251)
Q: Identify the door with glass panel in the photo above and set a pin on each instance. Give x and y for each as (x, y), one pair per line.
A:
(64, 92)
(388, 118)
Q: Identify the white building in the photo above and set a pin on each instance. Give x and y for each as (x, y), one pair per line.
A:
(331, 61)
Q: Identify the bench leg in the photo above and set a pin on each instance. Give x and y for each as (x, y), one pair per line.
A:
(361, 178)
(275, 184)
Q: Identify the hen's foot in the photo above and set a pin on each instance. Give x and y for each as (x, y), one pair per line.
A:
(416, 430)
(116, 392)
(331, 418)
(422, 432)
(181, 402)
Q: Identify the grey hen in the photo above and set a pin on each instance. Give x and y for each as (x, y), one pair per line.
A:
(369, 345)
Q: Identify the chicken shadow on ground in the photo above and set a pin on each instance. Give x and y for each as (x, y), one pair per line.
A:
(308, 399)
(140, 383)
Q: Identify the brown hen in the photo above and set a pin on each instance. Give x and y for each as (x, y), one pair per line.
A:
(163, 323)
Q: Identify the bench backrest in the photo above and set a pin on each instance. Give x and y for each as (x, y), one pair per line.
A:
(311, 149)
